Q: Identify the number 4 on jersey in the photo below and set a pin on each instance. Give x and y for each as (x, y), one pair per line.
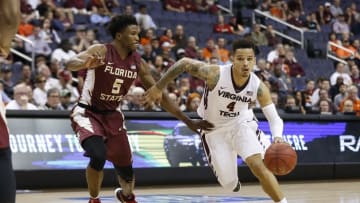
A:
(231, 106)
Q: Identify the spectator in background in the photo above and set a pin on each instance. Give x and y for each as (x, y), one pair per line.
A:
(340, 25)
(128, 10)
(105, 5)
(65, 99)
(99, 16)
(79, 41)
(191, 48)
(335, 8)
(180, 38)
(334, 89)
(27, 76)
(333, 38)
(258, 37)
(25, 28)
(354, 74)
(352, 94)
(148, 55)
(323, 84)
(40, 44)
(5, 98)
(348, 53)
(223, 52)
(238, 28)
(277, 9)
(295, 5)
(340, 96)
(348, 108)
(271, 36)
(174, 5)
(295, 69)
(295, 20)
(51, 82)
(221, 26)
(147, 37)
(76, 6)
(261, 70)
(311, 23)
(5, 78)
(324, 107)
(167, 36)
(52, 100)
(323, 14)
(193, 102)
(291, 106)
(144, 20)
(39, 93)
(22, 96)
(274, 54)
(50, 34)
(210, 50)
(64, 52)
(340, 72)
(280, 83)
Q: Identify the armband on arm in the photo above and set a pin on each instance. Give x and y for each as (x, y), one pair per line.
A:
(275, 122)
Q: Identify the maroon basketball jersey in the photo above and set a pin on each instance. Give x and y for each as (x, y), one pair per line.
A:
(105, 86)
(4, 133)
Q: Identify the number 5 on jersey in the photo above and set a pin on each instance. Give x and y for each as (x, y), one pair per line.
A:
(117, 86)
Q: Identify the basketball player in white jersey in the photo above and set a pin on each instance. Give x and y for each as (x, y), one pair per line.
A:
(229, 92)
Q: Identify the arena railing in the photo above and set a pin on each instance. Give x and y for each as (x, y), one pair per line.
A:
(22, 55)
(332, 56)
(300, 41)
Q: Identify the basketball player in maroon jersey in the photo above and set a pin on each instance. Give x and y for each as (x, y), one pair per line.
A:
(9, 22)
(97, 118)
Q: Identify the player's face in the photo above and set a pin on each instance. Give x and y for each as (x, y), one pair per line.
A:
(131, 37)
(244, 61)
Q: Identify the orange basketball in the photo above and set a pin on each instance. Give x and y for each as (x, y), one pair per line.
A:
(280, 158)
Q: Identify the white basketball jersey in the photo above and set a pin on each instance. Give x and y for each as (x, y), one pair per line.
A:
(223, 105)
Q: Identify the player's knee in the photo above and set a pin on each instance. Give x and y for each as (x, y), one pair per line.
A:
(125, 172)
(97, 160)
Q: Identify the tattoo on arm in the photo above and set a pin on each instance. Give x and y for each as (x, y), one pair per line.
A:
(193, 67)
(263, 95)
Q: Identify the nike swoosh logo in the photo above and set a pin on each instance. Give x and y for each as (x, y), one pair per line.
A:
(222, 88)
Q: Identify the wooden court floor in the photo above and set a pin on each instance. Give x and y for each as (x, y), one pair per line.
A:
(332, 191)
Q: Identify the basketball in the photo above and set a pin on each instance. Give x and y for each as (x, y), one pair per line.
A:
(280, 158)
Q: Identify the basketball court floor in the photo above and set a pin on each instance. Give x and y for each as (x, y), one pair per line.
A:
(332, 191)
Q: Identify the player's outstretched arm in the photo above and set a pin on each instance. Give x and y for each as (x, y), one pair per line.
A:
(93, 57)
(148, 81)
(269, 110)
(208, 73)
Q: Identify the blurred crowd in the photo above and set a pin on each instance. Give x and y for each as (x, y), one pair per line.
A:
(52, 27)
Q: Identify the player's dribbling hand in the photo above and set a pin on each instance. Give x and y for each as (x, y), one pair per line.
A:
(153, 94)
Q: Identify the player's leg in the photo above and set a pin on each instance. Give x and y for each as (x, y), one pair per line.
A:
(251, 144)
(222, 158)
(95, 149)
(7, 177)
(9, 22)
(88, 129)
(119, 153)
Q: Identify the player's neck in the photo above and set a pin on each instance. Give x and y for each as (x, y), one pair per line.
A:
(122, 52)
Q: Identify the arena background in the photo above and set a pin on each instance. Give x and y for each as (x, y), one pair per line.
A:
(46, 152)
